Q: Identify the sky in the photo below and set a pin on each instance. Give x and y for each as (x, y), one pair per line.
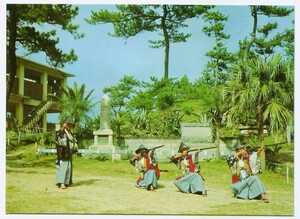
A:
(103, 60)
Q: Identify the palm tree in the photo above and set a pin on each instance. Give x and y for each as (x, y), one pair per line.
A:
(75, 104)
(262, 91)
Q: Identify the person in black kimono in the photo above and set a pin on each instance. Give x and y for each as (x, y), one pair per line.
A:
(66, 145)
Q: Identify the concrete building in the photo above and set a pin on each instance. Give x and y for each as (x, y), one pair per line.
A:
(29, 102)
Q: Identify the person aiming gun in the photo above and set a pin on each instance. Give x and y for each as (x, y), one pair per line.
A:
(245, 184)
(145, 163)
(190, 180)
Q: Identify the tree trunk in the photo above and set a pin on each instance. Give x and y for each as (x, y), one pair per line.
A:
(218, 143)
(12, 27)
(217, 119)
(260, 135)
(118, 130)
(253, 34)
(167, 41)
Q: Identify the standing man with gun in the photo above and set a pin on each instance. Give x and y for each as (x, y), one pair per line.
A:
(66, 145)
(146, 165)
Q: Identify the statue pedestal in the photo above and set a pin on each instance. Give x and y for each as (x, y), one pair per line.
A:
(103, 139)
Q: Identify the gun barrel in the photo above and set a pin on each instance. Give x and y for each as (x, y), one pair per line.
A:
(271, 145)
(204, 148)
(157, 147)
(275, 144)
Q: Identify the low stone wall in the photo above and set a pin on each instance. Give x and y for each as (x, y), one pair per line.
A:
(131, 144)
(171, 146)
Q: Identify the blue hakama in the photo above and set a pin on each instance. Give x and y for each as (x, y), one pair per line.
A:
(149, 179)
(64, 172)
(190, 183)
(248, 188)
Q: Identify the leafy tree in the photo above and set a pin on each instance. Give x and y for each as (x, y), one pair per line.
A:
(142, 100)
(25, 23)
(252, 100)
(141, 105)
(139, 108)
(164, 92)
(213, 109)
(76, 104)
(176, 101)
(142, 119)
(120, 95)
(261, 92)
(131, 20)
(158, 107)
(220, 59)
(216, 72)
(165, 96)
(266, 47)
(287, 42)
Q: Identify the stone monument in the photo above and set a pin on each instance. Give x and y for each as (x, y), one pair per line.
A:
(199, 135)
(103, 137)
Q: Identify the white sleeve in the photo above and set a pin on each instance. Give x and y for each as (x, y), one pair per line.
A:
(252, 161)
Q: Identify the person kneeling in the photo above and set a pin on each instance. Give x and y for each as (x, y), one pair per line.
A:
(191, 180)
(245, 184)
(146, 164)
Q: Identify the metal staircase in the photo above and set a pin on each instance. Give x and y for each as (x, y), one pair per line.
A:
(36, 113)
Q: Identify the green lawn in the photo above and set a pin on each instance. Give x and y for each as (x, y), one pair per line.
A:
(30, 188)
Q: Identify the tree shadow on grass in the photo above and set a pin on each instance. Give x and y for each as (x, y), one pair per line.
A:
(160, 186)
(22, 171)
(85, 182)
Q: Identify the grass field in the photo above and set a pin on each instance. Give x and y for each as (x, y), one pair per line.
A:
(107, 188)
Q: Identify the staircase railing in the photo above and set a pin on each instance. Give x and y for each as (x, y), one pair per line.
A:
(36, 113)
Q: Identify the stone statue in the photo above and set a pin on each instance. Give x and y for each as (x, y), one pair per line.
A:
(103, 138)
(105, 114)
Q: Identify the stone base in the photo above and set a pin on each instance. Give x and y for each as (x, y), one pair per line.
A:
(103, 132)
(111, 148)
(116, 157)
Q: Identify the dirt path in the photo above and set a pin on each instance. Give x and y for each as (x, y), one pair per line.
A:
(108, 195)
